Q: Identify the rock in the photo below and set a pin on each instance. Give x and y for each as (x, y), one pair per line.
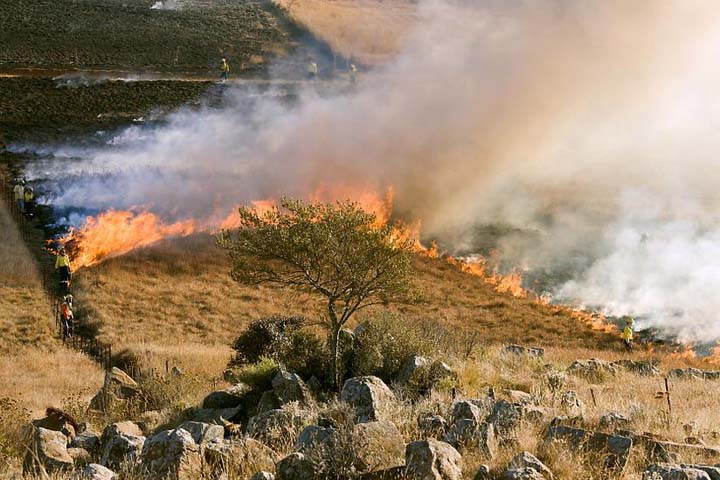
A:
(117, 428)
(150, 421)
(571, 405)
(263, 476)
(172, 453)
(88, 440)
(525, 351)
(528, 460)
(216, 416)
(483, 473)
(268, 401)
(523, 474)
(487, 443)
(203, 433)
(614, 448)
(278, 428)
(97, 472)
(377, 446)
(229, 398)
(58, 421)
(122, 448)
(612, 420)
(661, 471)
(296, 467)
(517, 396)
(369, 396)
(176, 372)
(464, 409)
(316, 438)
(432, 460)
(289, 387)
(48, 451)
(432, 426)
(593, 369)
(80, 456)
(412, 370)
(556, 380)
(439, 371)
(118, 386)
(713, 472)
(238, 455)
(641, 367)
(506, 417)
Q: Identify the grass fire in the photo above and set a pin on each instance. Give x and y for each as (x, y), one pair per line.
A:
(344, 240)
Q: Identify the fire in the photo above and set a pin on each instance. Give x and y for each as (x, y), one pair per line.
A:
(478, 266)
(368, 199)
(686, 352)
(714, 357)
(115, 233)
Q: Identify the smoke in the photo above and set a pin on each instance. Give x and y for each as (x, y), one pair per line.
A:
(588, 128)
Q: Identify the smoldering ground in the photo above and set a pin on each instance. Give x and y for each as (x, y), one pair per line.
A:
(589, 129)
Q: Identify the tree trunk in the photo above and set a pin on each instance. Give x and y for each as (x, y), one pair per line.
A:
(334, 346)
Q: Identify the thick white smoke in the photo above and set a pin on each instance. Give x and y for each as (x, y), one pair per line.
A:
(591, 125)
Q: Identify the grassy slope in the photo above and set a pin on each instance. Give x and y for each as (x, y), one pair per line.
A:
(370, 31)
(34, 367)
(127, 34)
(171, 299)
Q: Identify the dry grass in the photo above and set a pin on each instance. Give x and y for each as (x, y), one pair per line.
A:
(370, 31)
(176, 301)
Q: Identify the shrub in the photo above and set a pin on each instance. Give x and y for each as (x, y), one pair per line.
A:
(258, 375)
(283, 340)
(14, 420)
(383, 344)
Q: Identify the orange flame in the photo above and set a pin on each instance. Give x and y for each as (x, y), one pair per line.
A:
(115, 233)
(686, 352)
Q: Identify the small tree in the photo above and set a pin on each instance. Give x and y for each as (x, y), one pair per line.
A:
(336, 251)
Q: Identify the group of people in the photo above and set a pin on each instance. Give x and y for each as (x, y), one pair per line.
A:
(67, 317)
(24, 197)
(312, 70)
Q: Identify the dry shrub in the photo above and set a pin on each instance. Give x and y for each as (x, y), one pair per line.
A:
(14, 420)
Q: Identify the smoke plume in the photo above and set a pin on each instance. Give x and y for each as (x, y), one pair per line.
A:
(587, 129)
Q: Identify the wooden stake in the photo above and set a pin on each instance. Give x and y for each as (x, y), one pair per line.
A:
(667, 395)
(592, 394)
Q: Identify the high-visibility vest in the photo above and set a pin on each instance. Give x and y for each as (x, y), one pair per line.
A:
(627, 334)
(19, 192)
(29, 196)
(62, 261)
(225, 67)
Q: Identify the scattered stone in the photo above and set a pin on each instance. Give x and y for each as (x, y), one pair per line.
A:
(203, 433)
(234, 455)
(278, 428)
(217, 416)
(592, 369)
(660, 471)
(296, 467)
(713, 472)
(412, 370)
(465, 410)
(641, 367)
(369, 396)
(483, 473)
(613, 420)
(525, 351)
(523, 474)
(48, 451)
(314, 437)
(97, 472)
(377, 446)
(432, 426)
(556, 380)
(229, 398)
(176, 372)
(172, 453)
(80, 456)
(432, 460)
(517, 396)
(614, 448)
(263, 476)
(506, 417)
(289, 387)
(268, 401)
(150, 421)
(122, 448)
(118, 428)
(58, 421)
(89, 440)
(691, 428)
(528, 460)
(571, 405)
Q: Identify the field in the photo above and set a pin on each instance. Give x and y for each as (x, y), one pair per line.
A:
(368, 31)
(188, 35)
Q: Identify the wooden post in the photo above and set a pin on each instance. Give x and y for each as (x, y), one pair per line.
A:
(167, 367)
(667, 395)
(592, 394)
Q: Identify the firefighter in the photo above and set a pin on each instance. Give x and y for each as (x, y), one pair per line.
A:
(67, 317)
(19, 191)
(29, 195)
(224, 70)
(62, 265)
(353, 74)
(312, 69)
(627, 334)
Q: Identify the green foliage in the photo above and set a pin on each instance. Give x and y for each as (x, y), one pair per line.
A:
(258, 375)
(284, 340)
(383, 344)
(335, 250)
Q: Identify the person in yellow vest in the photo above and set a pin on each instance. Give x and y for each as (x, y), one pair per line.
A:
(19, 191)
(312, 69)
(62, 266)
(29, 195)
(224, 70)
(627, 334)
